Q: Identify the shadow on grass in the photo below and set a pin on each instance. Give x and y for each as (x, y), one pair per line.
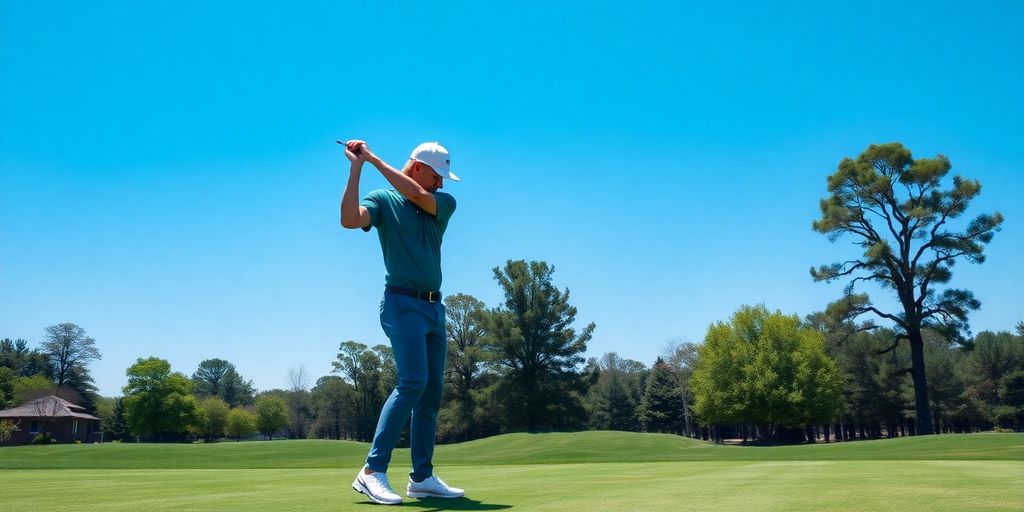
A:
(442, 504)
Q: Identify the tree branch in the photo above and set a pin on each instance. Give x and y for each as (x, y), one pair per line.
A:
(894, 318)
(895, 344)
(931, 236)
(876, 275)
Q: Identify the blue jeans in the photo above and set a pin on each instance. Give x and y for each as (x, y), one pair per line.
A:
(416, 330)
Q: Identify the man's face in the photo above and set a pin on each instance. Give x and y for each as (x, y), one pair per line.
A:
(427, 178)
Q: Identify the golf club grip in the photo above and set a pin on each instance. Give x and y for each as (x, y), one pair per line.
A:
(357, 151)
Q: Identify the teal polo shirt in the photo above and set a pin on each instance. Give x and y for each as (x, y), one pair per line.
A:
(410, 238)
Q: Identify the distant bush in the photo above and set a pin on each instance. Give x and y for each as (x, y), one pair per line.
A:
(42, 439)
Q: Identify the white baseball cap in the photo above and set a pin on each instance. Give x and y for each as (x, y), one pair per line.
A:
(436, 156)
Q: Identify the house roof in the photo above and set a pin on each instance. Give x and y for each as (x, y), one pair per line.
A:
(47, 407)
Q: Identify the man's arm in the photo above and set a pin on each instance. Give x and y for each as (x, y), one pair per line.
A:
(352, 214)
(402, 183)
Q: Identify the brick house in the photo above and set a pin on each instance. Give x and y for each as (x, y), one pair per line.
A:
(65, 421)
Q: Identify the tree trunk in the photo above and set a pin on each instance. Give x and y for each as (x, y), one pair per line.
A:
(686, 417)
(924, 417)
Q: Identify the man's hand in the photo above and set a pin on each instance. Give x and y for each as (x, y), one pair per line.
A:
(357, 151)
(354, 153)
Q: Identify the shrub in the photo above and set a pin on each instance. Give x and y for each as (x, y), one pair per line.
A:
(7, 430)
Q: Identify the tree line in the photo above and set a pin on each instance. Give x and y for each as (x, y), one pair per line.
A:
(759, 375)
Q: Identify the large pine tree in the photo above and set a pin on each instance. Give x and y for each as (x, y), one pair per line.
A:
(532, 340)
(893, 207)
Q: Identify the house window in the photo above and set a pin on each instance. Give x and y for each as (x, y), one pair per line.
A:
(74, 427)
(33, 428)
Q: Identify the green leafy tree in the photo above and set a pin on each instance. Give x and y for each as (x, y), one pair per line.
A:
(217, 377)
(157, 402)
(466, 360)
(31, 388)
(365, 371)
(764, 369)
(388, 371)
(661, 409)
(241, 423)
(213, 417)
(536, 350)
(894, 207)
(105, 410)
(271, 414)
(334, 406)
(235, 390)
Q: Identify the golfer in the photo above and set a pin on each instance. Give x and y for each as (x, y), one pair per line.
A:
(410, 221)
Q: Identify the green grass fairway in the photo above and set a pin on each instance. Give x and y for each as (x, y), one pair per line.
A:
(583, 471)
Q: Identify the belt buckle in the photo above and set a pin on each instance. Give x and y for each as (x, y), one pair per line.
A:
(430, 297)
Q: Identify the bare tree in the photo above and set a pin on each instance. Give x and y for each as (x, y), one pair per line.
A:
(68, 348)
(298, 378)
(681, 358)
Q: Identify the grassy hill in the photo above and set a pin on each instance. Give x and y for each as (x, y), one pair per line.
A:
(509, 449)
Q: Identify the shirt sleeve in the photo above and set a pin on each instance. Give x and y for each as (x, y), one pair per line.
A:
(445, 206)
(374, 203)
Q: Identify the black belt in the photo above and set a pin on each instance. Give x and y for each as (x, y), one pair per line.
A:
(427, 296)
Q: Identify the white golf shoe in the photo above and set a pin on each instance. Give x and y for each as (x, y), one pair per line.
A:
(376, 486)
(432, 487)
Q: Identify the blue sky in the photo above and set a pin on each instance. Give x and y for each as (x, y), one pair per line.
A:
(169, 179)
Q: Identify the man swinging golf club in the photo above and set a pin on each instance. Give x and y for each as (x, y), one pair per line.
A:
(410, 221)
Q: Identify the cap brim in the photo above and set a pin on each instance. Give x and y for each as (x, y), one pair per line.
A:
(444, 173)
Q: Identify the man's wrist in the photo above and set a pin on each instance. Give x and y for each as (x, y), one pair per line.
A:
(370, 158)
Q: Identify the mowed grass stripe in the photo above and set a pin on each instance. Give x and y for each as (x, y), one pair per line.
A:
(603, 446)
(510, 449)
(678, 486)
